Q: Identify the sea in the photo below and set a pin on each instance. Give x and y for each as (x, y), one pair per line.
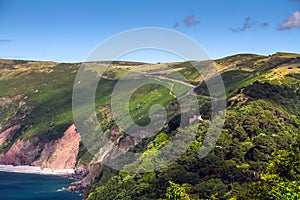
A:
(19, 186)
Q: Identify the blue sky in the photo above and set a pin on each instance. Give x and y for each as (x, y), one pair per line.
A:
(68, 30)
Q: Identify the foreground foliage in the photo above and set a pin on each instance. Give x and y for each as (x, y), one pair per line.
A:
(282, 177)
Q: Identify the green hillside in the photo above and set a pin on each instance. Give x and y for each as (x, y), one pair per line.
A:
(263, 119)
(262, 124)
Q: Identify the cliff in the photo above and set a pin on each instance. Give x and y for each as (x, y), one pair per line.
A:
(57, 154)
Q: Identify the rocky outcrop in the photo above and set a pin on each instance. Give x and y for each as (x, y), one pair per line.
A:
(94, 170)
(119, 144)
(62, 153)
(59, 154)
(20, 153)
(5, 135)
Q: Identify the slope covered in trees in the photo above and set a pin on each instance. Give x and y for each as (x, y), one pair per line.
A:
(257, 142)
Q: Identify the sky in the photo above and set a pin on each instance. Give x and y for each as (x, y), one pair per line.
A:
(68, 30)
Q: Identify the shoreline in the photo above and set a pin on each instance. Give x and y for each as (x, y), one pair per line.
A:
(26, 169)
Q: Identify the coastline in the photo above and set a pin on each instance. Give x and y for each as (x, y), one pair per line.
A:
(26, 169)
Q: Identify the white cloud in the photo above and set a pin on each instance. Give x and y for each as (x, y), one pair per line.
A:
(292, 22)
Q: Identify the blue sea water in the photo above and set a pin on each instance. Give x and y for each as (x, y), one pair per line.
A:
(20, 186)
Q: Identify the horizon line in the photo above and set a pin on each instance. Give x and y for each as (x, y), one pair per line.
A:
(135, 61)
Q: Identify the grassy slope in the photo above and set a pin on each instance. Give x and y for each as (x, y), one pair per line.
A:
(47, 93)
(44, 89)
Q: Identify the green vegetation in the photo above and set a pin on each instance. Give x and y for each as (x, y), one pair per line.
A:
(262, 123)
(256, 156)
(281, 179)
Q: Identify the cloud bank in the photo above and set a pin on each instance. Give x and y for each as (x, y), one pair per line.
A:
(293, 21)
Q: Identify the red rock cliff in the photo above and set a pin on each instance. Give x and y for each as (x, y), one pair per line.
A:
(59, 154)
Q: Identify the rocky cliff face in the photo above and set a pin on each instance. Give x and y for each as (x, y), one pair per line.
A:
(58, 154)
(5, 135)
(62, 153)
(21, 153)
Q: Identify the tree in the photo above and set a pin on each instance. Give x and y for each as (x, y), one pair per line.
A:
(282, 178)
(177, 192)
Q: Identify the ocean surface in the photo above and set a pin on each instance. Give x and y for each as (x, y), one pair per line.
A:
(33, 186)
